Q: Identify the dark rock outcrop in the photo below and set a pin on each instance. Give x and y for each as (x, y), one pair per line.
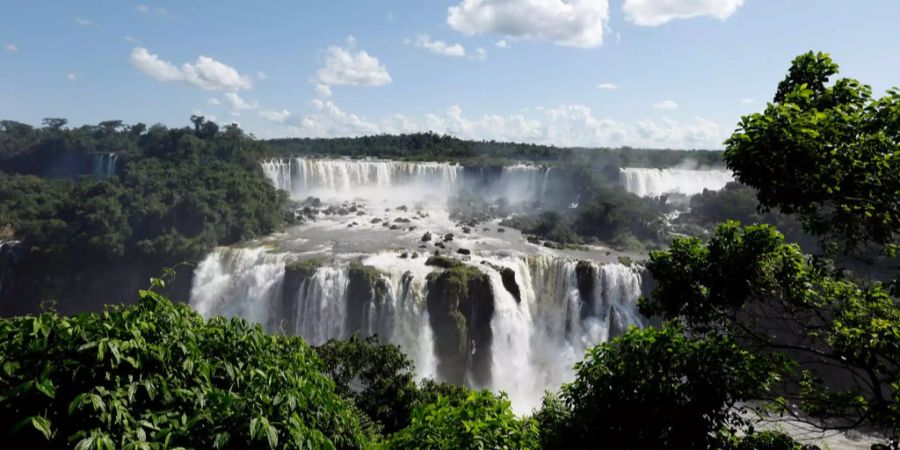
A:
(585, 276)
(296, 273)
(460, 305)
(509, 282)
(365, 288)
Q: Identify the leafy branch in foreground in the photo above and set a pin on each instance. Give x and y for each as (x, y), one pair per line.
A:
(658, 388)
(156, 375)
(749, 284)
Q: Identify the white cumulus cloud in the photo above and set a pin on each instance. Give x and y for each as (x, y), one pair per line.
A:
(330, 120)
(439, 47)
(236, 104)
(71, 76)
(665, 105)
(576, 23)
(275, 116)
(214, 101)
(11, 48)
(502, 43)
(206, 73)
(323, 90)
(657, 12)
(262, 76)
(346, 65)
(607, 86)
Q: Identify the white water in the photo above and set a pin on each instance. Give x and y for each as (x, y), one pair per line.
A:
(646, 182)
(538, 341)
(376, 179)
(322, 306)
(105, 165)
(535, 342)
(344, 178)
(523, 182)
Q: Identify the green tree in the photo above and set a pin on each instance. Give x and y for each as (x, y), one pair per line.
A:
(480, 420)
(750, 284)
(657, 388)
(376, 377)
(826, 153)
(157, 375)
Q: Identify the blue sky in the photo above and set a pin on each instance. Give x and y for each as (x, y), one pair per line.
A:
(654, 73)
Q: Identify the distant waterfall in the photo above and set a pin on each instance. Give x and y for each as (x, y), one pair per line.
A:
(656, 182)
(565, 307)
(523, 182)
(345, 177)
(400, 180)
(105, 165)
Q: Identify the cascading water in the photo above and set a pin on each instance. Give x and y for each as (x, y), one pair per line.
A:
(647, 182)
(526, 319)
(536, 339)
(399, 180)
(523, 182)
(344, 177)
(105, 165)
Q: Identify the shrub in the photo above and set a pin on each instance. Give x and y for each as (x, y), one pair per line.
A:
(156, 375)
(655, 388)
(481, 420)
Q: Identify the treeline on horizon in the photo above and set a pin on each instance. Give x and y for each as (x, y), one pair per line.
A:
(429, 146)
(18, 139)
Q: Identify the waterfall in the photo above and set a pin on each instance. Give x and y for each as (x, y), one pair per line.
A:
(250, 283)
(538, 340)
(349, 178)
(243, 282)
(374, 179)
(105, 165)
(322, 306)
(656, 182)
(523, 182)
(565, 307)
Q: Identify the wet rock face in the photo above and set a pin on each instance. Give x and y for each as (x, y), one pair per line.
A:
(296, 273)
(585, 276)
(509, 282)
(460, 306)
(362, 290)
(617, 323)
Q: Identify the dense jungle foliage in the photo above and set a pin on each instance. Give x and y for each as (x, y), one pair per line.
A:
(173, 195)
(175, 192)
